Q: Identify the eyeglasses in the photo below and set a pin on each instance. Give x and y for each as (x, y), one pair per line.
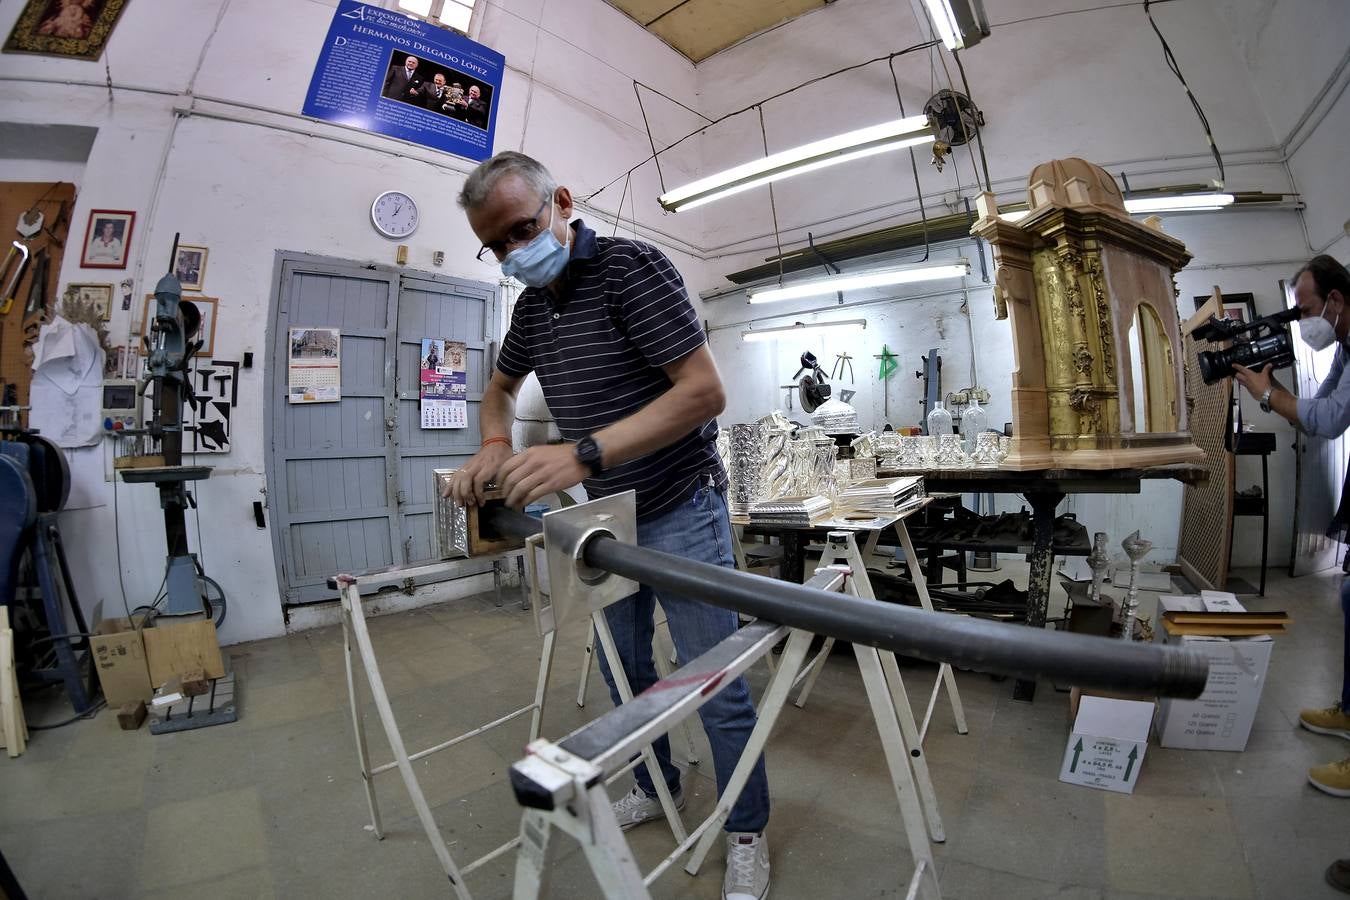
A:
(520, 233)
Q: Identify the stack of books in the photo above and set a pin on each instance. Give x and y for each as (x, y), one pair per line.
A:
(801, 511)
(883, 495)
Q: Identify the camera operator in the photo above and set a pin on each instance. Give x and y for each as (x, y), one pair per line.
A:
(1322, 290)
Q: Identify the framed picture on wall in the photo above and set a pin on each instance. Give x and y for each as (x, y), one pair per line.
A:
(1241, 307)
(75, 29)
(190, 267)
(206, 333)
(99, 295)
(107, 239)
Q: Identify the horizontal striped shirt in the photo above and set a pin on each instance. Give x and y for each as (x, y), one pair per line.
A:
(598, 350)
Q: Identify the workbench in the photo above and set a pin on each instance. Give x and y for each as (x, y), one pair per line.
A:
(1043, 489)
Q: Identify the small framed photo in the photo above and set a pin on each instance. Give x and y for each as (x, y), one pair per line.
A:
(74, 29)
(206, 332)
(1239, 307)
(100, 295)
(107, 239)
(190, 267)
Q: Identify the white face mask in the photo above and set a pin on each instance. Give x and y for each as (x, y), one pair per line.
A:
(1318, 333)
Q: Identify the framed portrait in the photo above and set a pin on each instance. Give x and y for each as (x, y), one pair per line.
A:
(75, 29)
(100, 295)
(206, 332)
(1241, 307)
(190, 267)
(107, 239)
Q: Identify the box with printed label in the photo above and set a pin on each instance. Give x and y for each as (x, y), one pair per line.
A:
(1107, 746)
(119, 656)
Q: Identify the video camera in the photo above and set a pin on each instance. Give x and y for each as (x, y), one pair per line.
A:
(1263, 342)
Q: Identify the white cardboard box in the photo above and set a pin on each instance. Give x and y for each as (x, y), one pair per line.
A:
(1220, 718)
(1106, 748)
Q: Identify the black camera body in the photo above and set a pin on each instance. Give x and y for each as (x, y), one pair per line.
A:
(1260, 343)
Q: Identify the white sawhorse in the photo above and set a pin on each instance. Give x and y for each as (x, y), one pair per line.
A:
(356, 635)
(946, 678)
(566, 779)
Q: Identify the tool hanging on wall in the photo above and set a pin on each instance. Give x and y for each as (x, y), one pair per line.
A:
(13, 274)
(840, 361)
(932, 381)
(887, 368)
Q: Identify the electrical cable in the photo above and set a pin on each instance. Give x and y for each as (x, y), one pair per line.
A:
(913, 164)
(979, 131)
(87, 714)
(117, 534)
(624, 196)
(1172, 64)
(810, 81)
(773, 207)
(651, 139)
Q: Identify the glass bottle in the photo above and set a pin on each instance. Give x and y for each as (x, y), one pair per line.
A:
(939, 420)
(973, 421)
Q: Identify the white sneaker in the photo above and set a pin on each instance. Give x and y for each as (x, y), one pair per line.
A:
(635, 807)
(747, 875)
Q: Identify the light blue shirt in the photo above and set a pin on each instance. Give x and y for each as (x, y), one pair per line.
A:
(1327, 413)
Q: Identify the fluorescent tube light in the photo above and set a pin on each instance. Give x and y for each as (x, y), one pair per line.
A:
(958, 23)
(861, 281)
(806, 158)
(799, 329)
(1178, 203)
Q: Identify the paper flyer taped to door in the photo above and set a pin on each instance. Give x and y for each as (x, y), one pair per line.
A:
(314, 370)
(444, 384)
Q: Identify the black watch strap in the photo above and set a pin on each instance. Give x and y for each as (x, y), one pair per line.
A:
(589, 455)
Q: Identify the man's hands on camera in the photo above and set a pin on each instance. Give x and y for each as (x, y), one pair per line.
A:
(1256, 381)
(468, 484)
(525, 477)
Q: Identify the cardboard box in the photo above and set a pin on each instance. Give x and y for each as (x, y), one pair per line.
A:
(1221, 718)
(119, 656)
(176, 648)
(1107, 746)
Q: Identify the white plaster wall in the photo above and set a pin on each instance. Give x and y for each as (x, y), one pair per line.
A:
(203, 135)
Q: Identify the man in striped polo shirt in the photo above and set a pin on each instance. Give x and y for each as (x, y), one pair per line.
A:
(607, 327)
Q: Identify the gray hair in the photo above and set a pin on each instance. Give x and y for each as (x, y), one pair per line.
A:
(483, 179)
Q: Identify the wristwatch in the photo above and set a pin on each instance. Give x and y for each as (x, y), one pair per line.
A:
(589, 455)
(1265, 399)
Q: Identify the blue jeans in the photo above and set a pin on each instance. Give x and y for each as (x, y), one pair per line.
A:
(1345, 671)
(698, 529)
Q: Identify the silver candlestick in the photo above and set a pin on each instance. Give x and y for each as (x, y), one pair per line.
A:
(1100, 563)
(1136, 548)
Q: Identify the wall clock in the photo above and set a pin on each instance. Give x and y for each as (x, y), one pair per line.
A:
(394, 214)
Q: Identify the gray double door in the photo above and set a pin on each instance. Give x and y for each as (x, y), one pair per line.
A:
(350, 484)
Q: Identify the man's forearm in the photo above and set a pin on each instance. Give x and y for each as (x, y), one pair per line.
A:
(497, 412)
(1286, 404)
(659, 424)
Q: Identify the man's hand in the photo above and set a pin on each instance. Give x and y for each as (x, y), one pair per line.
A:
(1256, 381)
(540, 471)
(466, 487)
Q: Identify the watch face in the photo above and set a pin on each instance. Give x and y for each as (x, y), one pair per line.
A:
(394, 214)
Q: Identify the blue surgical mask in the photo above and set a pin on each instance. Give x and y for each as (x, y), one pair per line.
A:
(541, 261)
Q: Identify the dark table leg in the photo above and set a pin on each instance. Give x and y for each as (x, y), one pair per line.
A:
(1265, 520)
(1043, 506)
(794, 556)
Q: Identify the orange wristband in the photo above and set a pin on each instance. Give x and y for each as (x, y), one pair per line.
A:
(496, 440)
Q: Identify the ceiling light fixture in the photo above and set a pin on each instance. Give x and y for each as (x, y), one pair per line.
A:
(1178, 203)
(831, 151)
(930, 271)
(799, 329)
(958, 23)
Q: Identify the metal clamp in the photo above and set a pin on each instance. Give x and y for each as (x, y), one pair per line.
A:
(576, 589)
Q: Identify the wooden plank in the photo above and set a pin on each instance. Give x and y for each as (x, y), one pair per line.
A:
(11, 710)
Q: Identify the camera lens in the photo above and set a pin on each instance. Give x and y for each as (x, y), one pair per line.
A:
(1214, 365)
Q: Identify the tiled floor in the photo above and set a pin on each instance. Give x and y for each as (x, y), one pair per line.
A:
(272, 805)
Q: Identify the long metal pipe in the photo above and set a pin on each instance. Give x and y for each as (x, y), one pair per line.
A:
(1081, 660)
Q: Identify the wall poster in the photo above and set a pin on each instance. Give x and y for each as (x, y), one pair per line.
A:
(314, 374)
(444, 384)
(391, 74)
